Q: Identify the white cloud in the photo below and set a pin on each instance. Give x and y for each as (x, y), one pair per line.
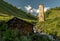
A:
(28, 8)
(37, 11)
(34, 11)
(46, 8)
(31, 11)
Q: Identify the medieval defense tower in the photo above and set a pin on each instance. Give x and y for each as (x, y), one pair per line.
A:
(40, 17)
(41, 13)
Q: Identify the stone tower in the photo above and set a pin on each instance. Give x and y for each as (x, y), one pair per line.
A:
(41, 13)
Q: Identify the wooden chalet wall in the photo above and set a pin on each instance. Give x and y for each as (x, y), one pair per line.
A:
(22, 26)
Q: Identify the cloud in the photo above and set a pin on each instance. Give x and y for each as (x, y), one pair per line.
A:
(28, 8)
(31, 11)
(46, 8)
(37, 11)
(34, 11)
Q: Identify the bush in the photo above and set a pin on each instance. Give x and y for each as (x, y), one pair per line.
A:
(40, 37)
(3, 26)
(14, 35)
(50, 27)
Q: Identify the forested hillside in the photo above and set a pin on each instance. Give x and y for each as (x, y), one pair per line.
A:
(8, 9)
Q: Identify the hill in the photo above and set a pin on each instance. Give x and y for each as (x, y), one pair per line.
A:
(51, 25)
(8, 9)
(53, 13)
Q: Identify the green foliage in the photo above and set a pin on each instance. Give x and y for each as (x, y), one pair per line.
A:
(3, 26)
(39, 37)
(6, 8)
(47, 13)
(52, 14)
(10, 35)
(51, 25)
(13, 35)
(7, 34)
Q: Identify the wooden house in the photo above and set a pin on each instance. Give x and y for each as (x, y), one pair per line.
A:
(17, 22)
(21, 25)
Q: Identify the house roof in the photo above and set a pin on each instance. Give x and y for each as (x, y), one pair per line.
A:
(7, 8)
(17, 19)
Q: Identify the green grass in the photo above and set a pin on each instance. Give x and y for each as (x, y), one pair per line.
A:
(52, 13)
(51, 25)
(4, 17)
(10, 10)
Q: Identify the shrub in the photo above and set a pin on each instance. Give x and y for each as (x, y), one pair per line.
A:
(3, 25)
(50, 27)
(40, 37)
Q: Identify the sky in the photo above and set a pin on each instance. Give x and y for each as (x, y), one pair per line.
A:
(32, 5)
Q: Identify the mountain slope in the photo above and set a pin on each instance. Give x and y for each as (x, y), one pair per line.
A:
(51, 25)
(8, 9)
(52, 13)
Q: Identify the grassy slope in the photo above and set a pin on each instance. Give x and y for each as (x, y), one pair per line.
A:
(8, 9)
(52, 14)
(4, 17)
(51, 25)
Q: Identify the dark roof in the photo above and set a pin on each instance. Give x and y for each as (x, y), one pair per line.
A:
(20, 20)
